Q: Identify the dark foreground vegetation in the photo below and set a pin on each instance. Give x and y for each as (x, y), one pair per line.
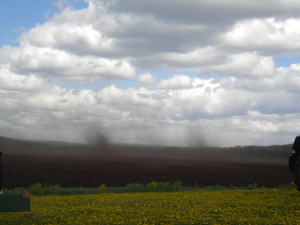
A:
(75, 165)
(39, 189)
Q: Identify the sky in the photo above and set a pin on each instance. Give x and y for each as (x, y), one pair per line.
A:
(169, 72)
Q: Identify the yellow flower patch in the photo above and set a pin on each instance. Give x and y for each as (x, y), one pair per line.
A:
(260, 206)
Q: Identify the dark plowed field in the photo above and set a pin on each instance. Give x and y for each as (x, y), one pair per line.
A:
(118, 169)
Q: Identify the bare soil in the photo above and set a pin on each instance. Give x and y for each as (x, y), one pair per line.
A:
(121, 166)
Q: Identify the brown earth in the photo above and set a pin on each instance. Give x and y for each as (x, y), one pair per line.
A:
(123, 165)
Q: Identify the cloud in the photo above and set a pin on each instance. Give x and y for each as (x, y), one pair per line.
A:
(215, 11)
(60, 4)
(146, 79)
(16, 82)
(60, 65)
(176, 82)
(236, 92)
(288, 78)
(84, 33)
(104, 42)
(247, 63)
(269, 35)
(181, 116)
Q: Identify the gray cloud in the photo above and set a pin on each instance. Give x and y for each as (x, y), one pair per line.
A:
(233, 42)
(208, 11)
(106, 42)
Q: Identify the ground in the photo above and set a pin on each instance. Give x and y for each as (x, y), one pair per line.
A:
(118, 166)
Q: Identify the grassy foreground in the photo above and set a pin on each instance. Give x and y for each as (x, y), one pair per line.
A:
(257, 206)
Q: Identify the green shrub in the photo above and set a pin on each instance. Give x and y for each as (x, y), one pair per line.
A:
(135, 187)
(79, 190)
(36, 189)
(103, 188)
(52, 189)
(153, 186)
(177, 185)
(164, 186)
(251, 186)
(39, 189)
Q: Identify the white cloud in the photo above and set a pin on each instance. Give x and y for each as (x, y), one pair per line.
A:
(146, 79)
(244, 100)
(76, 38)
(267, 35)
(176, 82)
(185, 116)
(288, 78)
(99, 42)
(247, 63)
(58, 64)
(15, 82)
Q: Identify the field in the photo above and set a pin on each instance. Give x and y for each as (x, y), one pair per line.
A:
(26, 163)
(92, 172)
(67, 165)
(259, 206)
